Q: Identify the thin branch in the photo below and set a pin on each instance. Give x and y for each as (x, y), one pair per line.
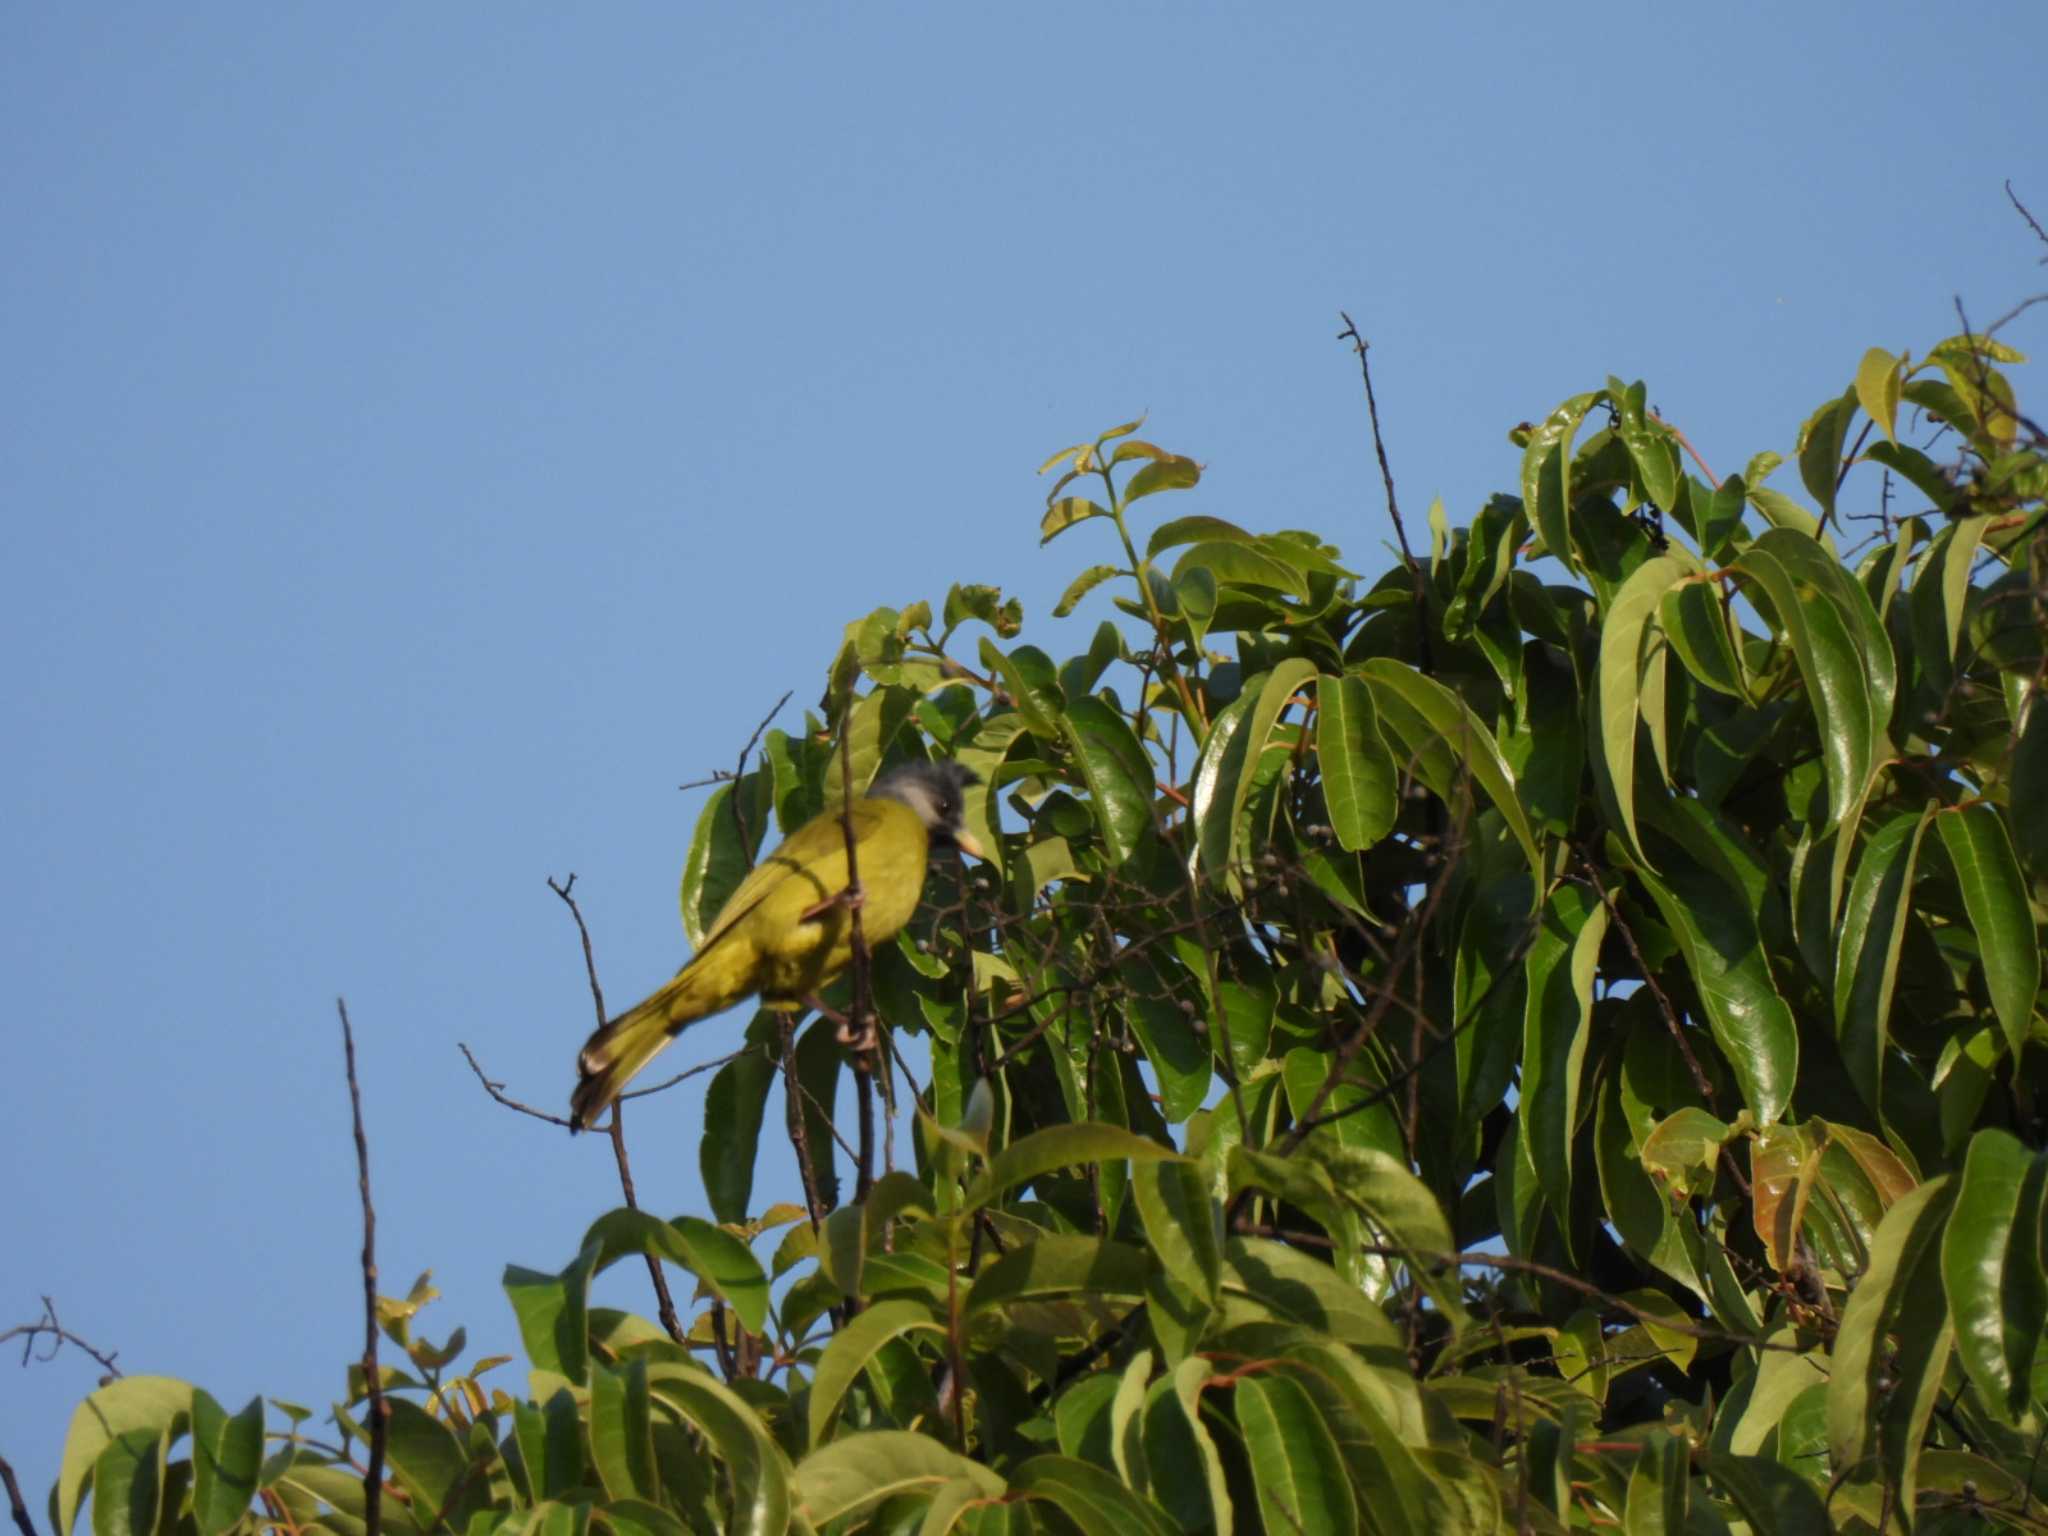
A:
(2032, 223)
(1613, 904)
(1379, 447)
(373, 1380)
(496, 1089)
(799, 1133)
(739, 811)
(1686, 443)
(665, 1306)
(863, 1041)
(19, 1509)
(59, 1336)
(728, 775)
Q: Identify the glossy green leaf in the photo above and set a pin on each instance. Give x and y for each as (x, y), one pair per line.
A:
(855, 1346)
(227, 1454)
(1222, 779)
(1296, 1466)
(734, 1106)
(1242, 565)
(1992, 1268)
(1820, 448)
(1939, 603)
(1446, 743)
(425, 1456)
(1179, 531)
(756, 1468)
(622, 1431)
(1061, 1146)
(1995, 896)
(1557, 1023)
(1767, 1495)
(1696, 622)
(1060, 1265)
(1843, 654)
(1027, 676)
(1622, 634)
(1658, 1488)
(554, 1314)
(128, 1484)
(1181, 1222)
(1867, 952)
(1359, 775)
(1709, 891)
(725, 1264)
(1096, 1501)
(1116, 771)
(1880, 1398)
(1546, 473)
(855, 1472)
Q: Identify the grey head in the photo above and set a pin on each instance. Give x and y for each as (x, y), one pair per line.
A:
(937, 792)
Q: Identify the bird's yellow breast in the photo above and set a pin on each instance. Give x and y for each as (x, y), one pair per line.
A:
(800, 935)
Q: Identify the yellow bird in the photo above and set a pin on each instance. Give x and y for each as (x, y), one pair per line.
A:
(785, 932)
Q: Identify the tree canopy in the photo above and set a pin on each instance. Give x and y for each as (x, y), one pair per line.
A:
(1550, 1037)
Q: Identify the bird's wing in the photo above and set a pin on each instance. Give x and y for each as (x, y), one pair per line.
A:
(808, 868)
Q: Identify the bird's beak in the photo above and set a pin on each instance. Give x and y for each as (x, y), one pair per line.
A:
(966, 844)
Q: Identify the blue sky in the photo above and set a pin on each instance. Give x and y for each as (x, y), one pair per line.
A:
(435, 433)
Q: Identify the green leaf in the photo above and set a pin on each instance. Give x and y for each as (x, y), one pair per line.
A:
(1060, 1265)
(1938, 604)
(1710, 894)
(1095, 1500)
(724, 1263)
(855, 1472)
(1992, 1268)
(1445, 743)
(1082, 585)
(554, 1314)
(1177, 1447)
(1194, 592)
(1621, 676)
(1657, 1487)
(1296, 1466)
(622, 1431)
(1242, 565)
(128, 1483)
(1116, 771)
(1061, 1146)
(718, 860)
(1878, 378)
(733, 1110)
(855, 1346)
(1844, 656)
(1650, 445)
(1557, 1023)
(1358, 771)
(1918, 470)
(1879, 1399)
(1867, 955)
(1199, 529)
(1696, 622)
(424, 1454)
(1546, 474)
(227, 1454)
(759, 1474)
(1168, 472)
(1064, 513)
(1820, 448)
(1182, 1223)
(1770, 1497)
(1027, 676)
(1995, 897)
(1221, 782)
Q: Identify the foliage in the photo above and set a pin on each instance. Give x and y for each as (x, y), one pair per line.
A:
(1549, 1038)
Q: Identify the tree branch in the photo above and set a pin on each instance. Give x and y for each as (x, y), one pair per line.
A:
(373, 1380)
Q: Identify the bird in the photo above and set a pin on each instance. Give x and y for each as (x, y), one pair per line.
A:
(787, 930)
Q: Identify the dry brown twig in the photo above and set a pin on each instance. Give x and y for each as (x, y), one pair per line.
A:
(373, 1380)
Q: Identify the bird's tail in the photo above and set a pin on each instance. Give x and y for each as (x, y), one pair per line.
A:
(614, 1055)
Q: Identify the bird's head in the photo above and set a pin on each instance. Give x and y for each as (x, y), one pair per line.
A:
(938, 793)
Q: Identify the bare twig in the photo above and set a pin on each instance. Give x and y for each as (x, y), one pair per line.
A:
(739, 811)
(863, 1041)
(496, 1089)
(1379, 447)
(2032, 223)
(665, 1305)
(49, 1326)
(14, 1500)
(373, 1380)
(799, 1133)
(728, 775)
